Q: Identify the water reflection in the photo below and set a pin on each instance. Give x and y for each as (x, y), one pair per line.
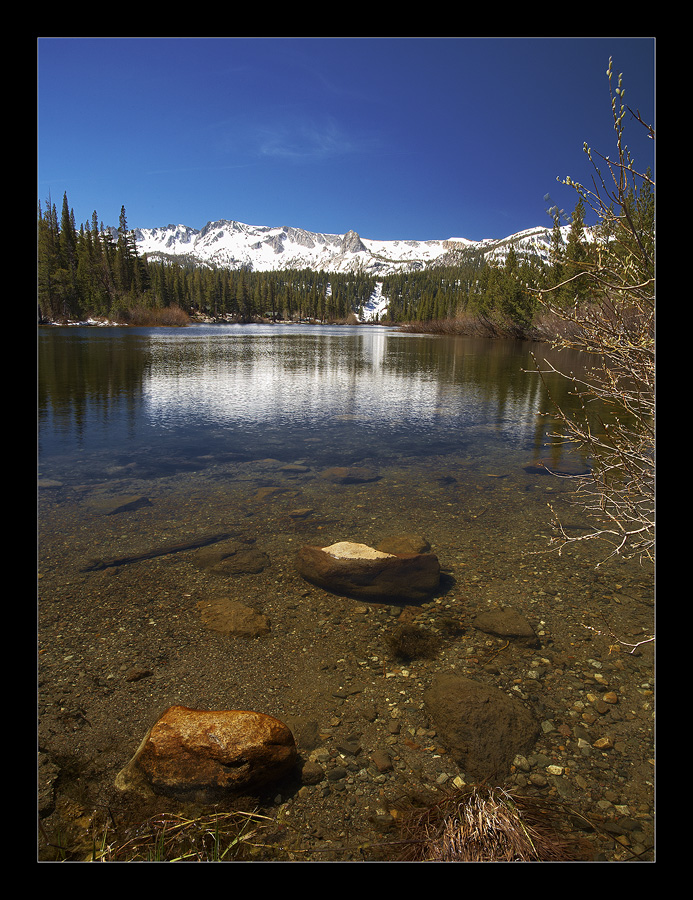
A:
(269, 390)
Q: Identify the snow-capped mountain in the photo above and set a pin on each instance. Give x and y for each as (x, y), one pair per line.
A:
(234, 245)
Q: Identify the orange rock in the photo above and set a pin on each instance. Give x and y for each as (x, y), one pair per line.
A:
(208, 754)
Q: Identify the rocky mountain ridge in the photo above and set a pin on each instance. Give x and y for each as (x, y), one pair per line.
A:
(236, 245)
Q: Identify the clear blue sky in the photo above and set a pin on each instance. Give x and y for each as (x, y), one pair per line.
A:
(396, 138)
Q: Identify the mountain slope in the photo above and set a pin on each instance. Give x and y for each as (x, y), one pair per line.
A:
(234, 245)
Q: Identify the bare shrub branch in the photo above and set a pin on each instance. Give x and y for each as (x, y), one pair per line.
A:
(615, 328)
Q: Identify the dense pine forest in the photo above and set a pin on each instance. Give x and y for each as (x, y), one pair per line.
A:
(92, 272)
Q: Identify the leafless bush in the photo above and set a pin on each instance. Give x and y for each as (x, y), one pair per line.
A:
(613, 323)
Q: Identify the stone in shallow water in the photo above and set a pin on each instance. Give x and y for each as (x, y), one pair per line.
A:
(507, 623)
(111, 504)
(359, 570)
(206, 755)
(404, 543)
(230, 617)
(232, 558)
(483, 728)
(302, 513)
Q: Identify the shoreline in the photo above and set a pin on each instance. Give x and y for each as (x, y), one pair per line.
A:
(437, 328)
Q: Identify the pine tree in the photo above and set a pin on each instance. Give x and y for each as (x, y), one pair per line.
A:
(67, 238)
(557, 251)
(124, 268)
(243, 296)
(64, 277)
(272, 299)
(48, 256)
(576, 256)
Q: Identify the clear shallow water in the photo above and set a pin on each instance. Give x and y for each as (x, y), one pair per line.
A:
(185, 433)
(327, 395)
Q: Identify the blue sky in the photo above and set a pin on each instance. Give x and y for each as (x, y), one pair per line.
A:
(395, 138)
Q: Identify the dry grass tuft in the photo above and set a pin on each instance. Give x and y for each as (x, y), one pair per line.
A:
(169, 837)
(484, 824)
(166, 316)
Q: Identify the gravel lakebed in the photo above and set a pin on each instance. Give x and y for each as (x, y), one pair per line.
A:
(119, 645)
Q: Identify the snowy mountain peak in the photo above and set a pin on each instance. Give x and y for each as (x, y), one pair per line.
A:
(351, 243)
(233, 245)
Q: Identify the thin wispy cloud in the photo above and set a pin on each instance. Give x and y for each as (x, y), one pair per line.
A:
(306, 129)
(186, 170)
(310, 141)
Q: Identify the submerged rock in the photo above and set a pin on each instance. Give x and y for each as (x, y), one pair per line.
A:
(204, 756)
(350, 474)
(404, 543)
(359, 570)
(111, 504)
(507, 623)
(230, 617)
(482, 727)
(232, 558)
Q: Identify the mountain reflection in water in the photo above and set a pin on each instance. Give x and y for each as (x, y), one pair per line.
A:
(340, 391)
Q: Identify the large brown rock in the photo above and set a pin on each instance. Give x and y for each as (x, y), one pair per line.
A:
(358, 570)
(483, 728)
(202, 755)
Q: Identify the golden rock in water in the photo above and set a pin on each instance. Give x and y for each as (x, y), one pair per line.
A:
(209, 754)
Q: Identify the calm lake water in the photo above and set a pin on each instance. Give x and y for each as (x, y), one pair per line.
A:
(170, 400)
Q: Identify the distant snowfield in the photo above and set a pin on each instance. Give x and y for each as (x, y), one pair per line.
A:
(234, 245)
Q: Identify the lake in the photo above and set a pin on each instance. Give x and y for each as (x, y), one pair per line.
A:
(200, 422)
(329, 395)
(151, 439)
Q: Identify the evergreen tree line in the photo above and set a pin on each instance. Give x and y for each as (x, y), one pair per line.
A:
(92, 271)
(88, 271)
(473, 287)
